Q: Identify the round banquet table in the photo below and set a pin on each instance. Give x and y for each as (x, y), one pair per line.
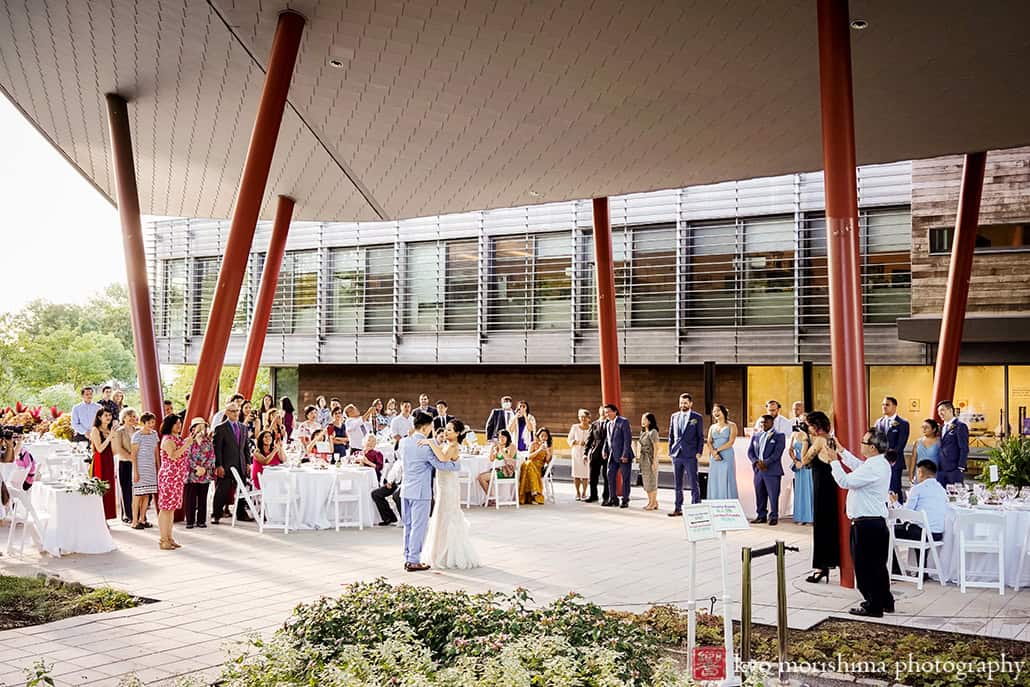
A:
(474, 464)
(982, 566)
(313, 487)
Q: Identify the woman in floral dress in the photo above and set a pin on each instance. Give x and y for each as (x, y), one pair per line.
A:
(171, 477)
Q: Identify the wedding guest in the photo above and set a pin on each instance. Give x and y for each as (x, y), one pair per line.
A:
(83, 415)
(356, 426)
(274, 424)
(248, 416)
(335, 403)
(322, 412)
(200, 471)
(402, 425)
(926, 447)
(370, 457)
(377, 419)
(925, 496)
(337, 433)
(522, 427)
(15, 452)
(391, 409)
(499, 418)
(825, 519)
(867, 485)
(619, 454)
(722, 472)
(648, 459)
(267, 404)
(423, 405)
(107, 402)
(118, 398)
(781, 424)
(531, 483)
(442, 418)
(122, 446)
(168, 408)
(230, 452)
(144, 469)
(803, 499)
(797, 413)
(286, 407)
(596, 454)
(314, 452)
(686, 442)
(502, 459)
(578, 434)
(897, 429)
(268, 451)
(102, 466)
(186, 407)
(308, 427)
(390, 489)
(765, 453)
(954, 451)
(171, 477)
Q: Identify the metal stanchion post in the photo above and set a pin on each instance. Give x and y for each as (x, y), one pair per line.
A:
(745, 605)
(781, 608)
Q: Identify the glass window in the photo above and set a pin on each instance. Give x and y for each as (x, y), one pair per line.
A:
(295, 307)
(711, 279)
(508, 289)
(990, 238)
(461, 273)
(621, 266)
(378, 304)
(205, 278)
(1019, 399)
(552, 281)
(423, 289)
(887, 271)
(346, 280)
(768, 271)
(173, 298)
(814, 277)
(653, 277)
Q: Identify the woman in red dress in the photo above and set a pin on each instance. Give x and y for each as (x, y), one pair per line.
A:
(171, 477)
(102, 466)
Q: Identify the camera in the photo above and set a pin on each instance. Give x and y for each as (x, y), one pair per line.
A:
(12, 431)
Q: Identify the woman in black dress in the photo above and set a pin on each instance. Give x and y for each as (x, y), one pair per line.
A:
(825, 539)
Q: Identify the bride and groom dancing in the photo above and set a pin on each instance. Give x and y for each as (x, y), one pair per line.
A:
(445, 534)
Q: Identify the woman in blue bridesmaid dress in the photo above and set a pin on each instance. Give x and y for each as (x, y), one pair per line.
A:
(803, 500)
(722, 477)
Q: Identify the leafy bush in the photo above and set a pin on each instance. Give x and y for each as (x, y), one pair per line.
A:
(1012, 456)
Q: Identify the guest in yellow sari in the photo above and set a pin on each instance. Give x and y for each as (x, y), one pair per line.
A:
(531, 483)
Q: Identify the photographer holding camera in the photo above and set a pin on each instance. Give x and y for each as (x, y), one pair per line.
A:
(14, 452)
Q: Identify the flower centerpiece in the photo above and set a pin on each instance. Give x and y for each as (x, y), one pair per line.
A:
(61, 428)
(94, 486)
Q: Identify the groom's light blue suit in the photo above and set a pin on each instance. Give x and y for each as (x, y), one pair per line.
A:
(417, 492)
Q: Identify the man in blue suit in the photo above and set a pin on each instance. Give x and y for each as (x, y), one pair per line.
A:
(686, 441)
(417, 489)
(954, 446)
(619, 451)
(766, 454)
(896, 428)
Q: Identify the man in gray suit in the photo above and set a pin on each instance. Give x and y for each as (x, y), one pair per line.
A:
(417, 489)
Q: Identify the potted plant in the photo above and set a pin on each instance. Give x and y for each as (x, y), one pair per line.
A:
(1012, 456)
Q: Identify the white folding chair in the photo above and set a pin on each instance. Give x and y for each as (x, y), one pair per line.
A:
(24, 513)
(247, 495)
(982, 533)
(1023, 553)
(922, 545)
(466, 479)
(548, 480)
(496, 482)
(345, 492)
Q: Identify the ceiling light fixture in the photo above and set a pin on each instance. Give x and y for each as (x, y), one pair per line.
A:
(335, 63)
(859, 24)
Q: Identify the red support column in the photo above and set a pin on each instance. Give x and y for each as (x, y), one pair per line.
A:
(266, 294)
(967, 221)
(147, 366)
(283, 56)
(611, 385)
(846, 335)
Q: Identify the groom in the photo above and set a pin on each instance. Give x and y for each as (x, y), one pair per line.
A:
(417, 489)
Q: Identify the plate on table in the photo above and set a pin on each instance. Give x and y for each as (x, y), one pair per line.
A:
(988, 506)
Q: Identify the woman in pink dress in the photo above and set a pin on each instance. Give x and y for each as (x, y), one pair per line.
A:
(171, 477)
(269, 451)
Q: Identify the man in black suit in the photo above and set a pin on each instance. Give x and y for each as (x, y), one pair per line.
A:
(594, 449)
(230, 443)
(499, 418)
(442, 418)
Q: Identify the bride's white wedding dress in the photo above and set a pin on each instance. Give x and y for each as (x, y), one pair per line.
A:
(448, 543)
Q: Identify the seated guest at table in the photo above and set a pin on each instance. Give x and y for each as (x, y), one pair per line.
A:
(522, 427)
(306, 429)
(951, 466)
(121, 443)
(722, 472)
(370, 457)
(927, 496)
(23, 461)
(323, 413)
(268, 451)
(926, 447)
(356, 426)
(499, 418)
(802, 473)
(442, 418)
(200, 471)
(766, 455)
(314, 452)
(83, 415)
(286, 407)
(171, 477)
(825, 542)
(337, 433)
(102, 466)
(391, 488)
(144, 469)
(531, 484)
(502, 459)
(230, 452)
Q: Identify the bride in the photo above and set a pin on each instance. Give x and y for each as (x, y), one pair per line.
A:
(448, 544)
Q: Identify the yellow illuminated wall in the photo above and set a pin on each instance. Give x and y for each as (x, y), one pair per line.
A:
(912, 385)
(1019, 393)
(782, 383)
(822, 390)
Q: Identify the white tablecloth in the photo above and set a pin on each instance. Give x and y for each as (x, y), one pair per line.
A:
(746, 481)
(76, 524)
(981, 566)
(312, 491)
(474, 464)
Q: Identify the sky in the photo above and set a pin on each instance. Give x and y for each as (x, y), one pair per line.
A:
(62, 240)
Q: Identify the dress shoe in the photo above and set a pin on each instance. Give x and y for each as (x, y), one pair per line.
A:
(609, 504)
(865, 612)
(624, 504)
(675, 514)
(190, 526)
(758, 521)
(387, 523)
(244, 518)
(202, 525)
(887, 609)
(415, 567)
(216, 521)
(773, 522)
(592, 499)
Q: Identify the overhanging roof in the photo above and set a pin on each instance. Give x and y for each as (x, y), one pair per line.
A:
(450, 105)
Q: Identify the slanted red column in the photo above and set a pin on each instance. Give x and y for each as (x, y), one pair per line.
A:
(967, 221)
(127, 195)
(266, 295)
(283, 56)
(607, 327)
(842, 234)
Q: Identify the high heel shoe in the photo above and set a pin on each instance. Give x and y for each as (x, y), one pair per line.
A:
(819, 576)
(167, 545)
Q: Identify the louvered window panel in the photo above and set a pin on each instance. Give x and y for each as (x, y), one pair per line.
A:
(295, 307)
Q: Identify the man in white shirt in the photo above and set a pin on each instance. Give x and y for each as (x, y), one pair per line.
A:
(868, 484)
(401, 425)
(83, 415)
(926, 496)
(780, 423)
